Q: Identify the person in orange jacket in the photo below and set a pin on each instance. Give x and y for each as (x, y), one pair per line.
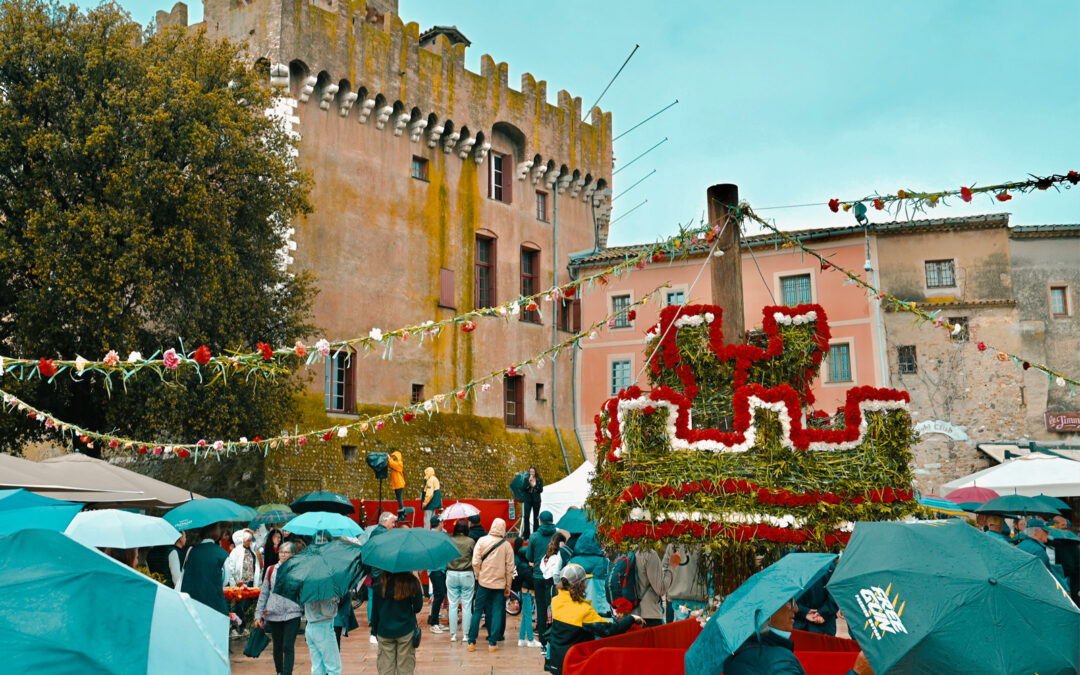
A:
(397, 478)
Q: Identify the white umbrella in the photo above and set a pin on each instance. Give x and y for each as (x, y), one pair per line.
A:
(458, 510)
(1030, 475)
(113, 528)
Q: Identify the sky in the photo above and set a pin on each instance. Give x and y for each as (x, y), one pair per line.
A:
(798, 102)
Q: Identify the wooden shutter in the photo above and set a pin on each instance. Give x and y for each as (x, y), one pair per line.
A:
(576, 309)
(446, 288)
(508, 178)
(350, 382)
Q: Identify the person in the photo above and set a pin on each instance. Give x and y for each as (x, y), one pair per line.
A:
(817, 610)
(437, 577)
(552, 563)
(574, 619)
(319, 635)
(242, 568)
(270, 547)
(397, 600)
(689, 590)
(1067, 554)
(345, 619)
(772, 652)
(432, 496)
(204, 570)
(493, 565)
(995, 527)
(523, 584)
(1034, 540)
(387, 521)
(397, 478)
(278, 615)
(534, 487)
(226, 539)
(589, 555)
(124, 556)
(460, 581)
(538, 544)
(653, 580)
(476, 530)
(165, 560)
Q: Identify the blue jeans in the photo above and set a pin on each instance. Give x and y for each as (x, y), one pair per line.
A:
(325, 657)
(493, 602)
(526, 630)
(459, 588)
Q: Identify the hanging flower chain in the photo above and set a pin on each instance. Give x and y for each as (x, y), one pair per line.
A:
(93, 439)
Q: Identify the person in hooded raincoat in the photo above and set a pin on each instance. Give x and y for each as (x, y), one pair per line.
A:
(432, 496)
(589, 555)
(397, 478)
(538, 545)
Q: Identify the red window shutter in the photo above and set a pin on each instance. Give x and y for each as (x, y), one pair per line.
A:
(446, 288)
(576, 309)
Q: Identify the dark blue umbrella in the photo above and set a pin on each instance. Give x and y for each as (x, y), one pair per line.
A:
(22, 510)
(750, 606)
(324, 501)
(408, 549)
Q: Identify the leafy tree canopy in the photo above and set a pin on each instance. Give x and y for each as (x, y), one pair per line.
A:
(144, 197)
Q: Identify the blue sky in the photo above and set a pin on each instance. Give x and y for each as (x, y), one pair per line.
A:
(799, 102)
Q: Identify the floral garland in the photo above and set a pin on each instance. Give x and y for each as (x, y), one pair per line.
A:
(673, 529)
(778, 496)
(91, 439)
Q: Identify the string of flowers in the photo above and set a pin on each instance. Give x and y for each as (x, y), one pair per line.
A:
(271, 361)
(924, 318)
(67, 430)
(919, 201)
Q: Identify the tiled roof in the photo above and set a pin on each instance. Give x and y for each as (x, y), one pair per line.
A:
(1044, 231)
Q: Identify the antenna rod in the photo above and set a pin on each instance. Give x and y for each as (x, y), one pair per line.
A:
(633, 186)
(644, 121)
(629, 212)
(640, 156)
(612, 82)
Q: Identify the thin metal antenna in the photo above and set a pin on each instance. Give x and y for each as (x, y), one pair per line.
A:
(644, 120)
(629, 212)
(640, 156)
(612, 82)
(633, 186)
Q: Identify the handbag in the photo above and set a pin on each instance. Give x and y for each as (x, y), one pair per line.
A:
(416, 637)
(256, 642)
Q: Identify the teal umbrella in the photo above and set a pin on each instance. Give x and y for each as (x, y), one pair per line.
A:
(66, 608)
(313, 522)
(1063, 535)
(320, 572)
(517, 485)
(202, 512)
(408, 549)
(576, 521)
(750, 606)
(22, 510)
(270, 517)
(1054, 503)
(1014, 504)
(272, 507)
(940, 597)
(114, 528)
(324, 501)
(970, 507)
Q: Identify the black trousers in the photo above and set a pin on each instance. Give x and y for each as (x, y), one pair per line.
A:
(399, 496)
(283, 634)
(542, 588)
(527, 526)
(438, 594)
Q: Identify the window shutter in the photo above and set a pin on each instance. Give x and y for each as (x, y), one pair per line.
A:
(508, 178)
(491, 175)
(350, 387)
(329, 403)
(576, 309)
(446, 288)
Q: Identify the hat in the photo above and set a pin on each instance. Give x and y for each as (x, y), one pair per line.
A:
(1035, 522)
(546, 517)
(573, 574)
(475, 518)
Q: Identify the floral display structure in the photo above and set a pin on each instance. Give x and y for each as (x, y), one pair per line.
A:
(727, 453)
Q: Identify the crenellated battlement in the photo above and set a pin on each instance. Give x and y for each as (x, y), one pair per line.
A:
(364, 66)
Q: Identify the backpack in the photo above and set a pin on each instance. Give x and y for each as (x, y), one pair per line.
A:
(622, 587)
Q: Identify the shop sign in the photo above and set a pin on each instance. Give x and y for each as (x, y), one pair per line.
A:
(941, 427)
(1063, 421)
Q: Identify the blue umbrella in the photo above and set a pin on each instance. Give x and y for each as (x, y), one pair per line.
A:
(576, 521)
(313, 522)
(22, 510)
(68, 608)
(750, 607)
(113, 528)
(202, 512)
(408, 549)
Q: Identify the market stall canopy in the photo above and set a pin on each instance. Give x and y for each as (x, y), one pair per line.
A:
(571, 491)
(80, 478)
(1030, 475)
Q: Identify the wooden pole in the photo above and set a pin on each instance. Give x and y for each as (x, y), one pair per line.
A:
(726, 270)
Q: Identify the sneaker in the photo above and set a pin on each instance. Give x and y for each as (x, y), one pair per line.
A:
(453, 638)
(533, 643)
(521, 643)
(471, 647)
(374, 640)
(493, 648)
(436, 629)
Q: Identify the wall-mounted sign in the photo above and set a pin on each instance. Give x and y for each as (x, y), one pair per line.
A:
(939, 427)
(1063, 421)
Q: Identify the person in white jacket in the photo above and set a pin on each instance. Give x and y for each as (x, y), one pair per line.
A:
(242, 567)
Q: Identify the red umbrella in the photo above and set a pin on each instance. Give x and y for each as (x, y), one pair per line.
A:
(972, 494)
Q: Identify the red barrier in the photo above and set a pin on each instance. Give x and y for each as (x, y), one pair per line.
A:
(490, 509)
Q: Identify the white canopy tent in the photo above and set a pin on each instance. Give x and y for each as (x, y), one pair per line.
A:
(571, 491)
(1030, 475)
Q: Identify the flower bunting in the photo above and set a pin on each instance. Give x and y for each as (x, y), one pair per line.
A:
(202, 355)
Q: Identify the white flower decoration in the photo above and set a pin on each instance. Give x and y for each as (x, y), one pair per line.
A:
(323, 347)
(343, 432)
(134, 356)
(485, 387)
(375, 334)
(80, 363)
(429, 405)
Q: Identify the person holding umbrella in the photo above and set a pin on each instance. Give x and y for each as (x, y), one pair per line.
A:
(278, 615)
(398, 598)
(165, 560)
(532, 489)
(493, 564)
(397, 478)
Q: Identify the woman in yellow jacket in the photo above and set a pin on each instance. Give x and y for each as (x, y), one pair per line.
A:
(397, 478)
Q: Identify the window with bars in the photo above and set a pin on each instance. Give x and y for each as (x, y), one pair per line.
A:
(840, 362)
(541, 206)
(795, 290)
(620, 376)
(484, 276)
(1059, 301)
(530, 263)
(909, 364)
(675, 298)
(499, 178)
(514, 400)
(620, 304)
(940, 273)
(419, 168)
(417, 394)
(339, 383)
(958, 335)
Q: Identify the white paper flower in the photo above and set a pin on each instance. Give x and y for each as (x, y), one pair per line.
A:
(592, 335)
(1059, 381)
(323, 347)
(375, 334)
(80, 363)
(429, 405)
(540, 363)
(243, 439)
(134, 356)
(343, 432)
(485, 387)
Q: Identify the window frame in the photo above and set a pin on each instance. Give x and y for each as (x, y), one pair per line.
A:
(530, 282)
(612, 362)
(912, 367)
(340, 365)
(778, 281)
(673, 290)
(827, 373)
(952, 271)
(490, 266)
(1064, 288)
(518, 421)
(423, 163)
(568, 313)
(416, 395)
(542, 206)
(500, 180)
(621, 322)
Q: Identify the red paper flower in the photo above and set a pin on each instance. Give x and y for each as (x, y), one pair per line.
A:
(379, 425)
(114, 443)
(531, 307)
(302, 440)
(407, 417)
(46, 367)
(878, 204)
(266, 351)
(981, 346)
(328, 435)
(201, 355)
(1003, 196)
(158, 450)
(468, 326)
(834, 205)
(631, 315)
(658, 256)
(569, 291)
(965, 194)
(622, 606)
(257, 440)
(142, 449)
(1026, 365)
(1073, 177)
(182, 453)
(461, 395)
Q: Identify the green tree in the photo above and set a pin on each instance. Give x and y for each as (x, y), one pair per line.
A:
(144, 198)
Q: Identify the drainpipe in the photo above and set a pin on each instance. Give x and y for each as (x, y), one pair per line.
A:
(555, 324)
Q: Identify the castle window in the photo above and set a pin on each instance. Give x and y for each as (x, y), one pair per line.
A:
(1059, 301)
(499, 177)
(675, 298)
(419, 168)
(909, 364)
(514, 394)
(417, 394)
(570, 315)
(339, 383)
(940, 273)
(541, 206)
(484, 276)
(530, 262)
(540, 392)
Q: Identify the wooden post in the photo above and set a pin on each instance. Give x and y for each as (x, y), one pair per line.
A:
(726, 270)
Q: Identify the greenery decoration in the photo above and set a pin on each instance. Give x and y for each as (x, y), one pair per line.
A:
(758, 470)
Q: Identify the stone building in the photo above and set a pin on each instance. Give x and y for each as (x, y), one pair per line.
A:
(437, 190)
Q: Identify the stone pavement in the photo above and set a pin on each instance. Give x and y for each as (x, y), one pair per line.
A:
(436, 655)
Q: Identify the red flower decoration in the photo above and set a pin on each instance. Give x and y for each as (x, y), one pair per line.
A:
(622, 606)
(142, 449)
(1073, 177)
(468, 326)
(379, 425)
(965, 194)
(569, 291)
(47, 368)
(981, 346)
(531, 307)
(834, 205)
(201, 355)
(266, 351)
(878, 204)
(631, 315)
(461, 395)
(658, 257)
(257, 440)
(328, 435)
(182, 453)
(1003, 196)
(114, 443)
(407, 417)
